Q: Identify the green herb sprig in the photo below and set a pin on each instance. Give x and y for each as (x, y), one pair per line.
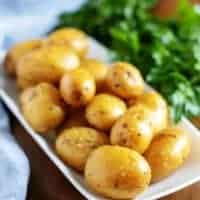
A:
(166, 51)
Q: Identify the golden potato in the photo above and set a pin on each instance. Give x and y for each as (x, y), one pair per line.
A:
(125, 80)
(167, 152)
(17, 52)
(70, 37)
(77, 118)
(46, 64)
(77, 87)
(75, 144)
(134, 129)
(97, 68)
(104, 110)
(117, 172)
(42, 107)
(159, 109)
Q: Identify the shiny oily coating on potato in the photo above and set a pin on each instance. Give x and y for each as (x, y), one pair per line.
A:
(77, 87)
(134, 129)
(158, 106)
(117, 172)
(167, 152)
(75, 144)
(97, 68)
(125, 80)
(46, 64)
(17, 52)
(104, 110)
(70, 37)
(42, 107)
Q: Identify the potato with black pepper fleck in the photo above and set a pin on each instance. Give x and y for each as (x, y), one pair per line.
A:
(17, 52)
(42, 107)
(104, 110)
(117, 172)
(125, 80)
(46, 64)
(97, 68)
(75, 144)
(70, 37)
(156, 103)
(134, 129)
(77, 87)
(167, 152)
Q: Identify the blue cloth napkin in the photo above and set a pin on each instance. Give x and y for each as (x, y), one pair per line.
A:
(22, 20)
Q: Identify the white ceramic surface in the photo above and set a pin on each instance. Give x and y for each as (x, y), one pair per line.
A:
(188, 174)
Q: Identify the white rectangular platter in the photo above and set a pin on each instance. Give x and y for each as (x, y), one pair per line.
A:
(188, 174)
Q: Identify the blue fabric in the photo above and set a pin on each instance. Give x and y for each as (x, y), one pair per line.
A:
(21, 20)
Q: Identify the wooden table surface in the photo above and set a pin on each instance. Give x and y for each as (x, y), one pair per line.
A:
(47, 183)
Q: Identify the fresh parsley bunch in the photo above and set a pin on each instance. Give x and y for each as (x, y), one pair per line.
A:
(166, 51)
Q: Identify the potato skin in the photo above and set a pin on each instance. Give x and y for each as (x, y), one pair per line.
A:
(97, 68)
(158, 106)
(125, 80)
(17, 52)
(77, 87)
(42, 107)
(75, 144)
(45, 65)
(70, 37)
(167, 152)
(104, 110)
(134, 129)
(117, 172)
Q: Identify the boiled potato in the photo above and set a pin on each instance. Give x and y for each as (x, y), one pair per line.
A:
(42, 107)
(17, 52)
(167, 152)
(76, 118)
(117, 172)
(125, 80)
(77, 87)
(75, 144)
(134, 129)
(104, 110)
(97, 68)
(159, 109)
(71, 37)
(46, 64)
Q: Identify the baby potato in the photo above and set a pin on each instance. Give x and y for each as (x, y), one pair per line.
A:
(134, 129)
(167, 152)
(117, 172)
(76, 119)
(46, 64)
(75, 144)
(125, 80)
(17, 52)
(42, 107)
(97, 68)
(159, 109)
(77, 87)
(70, 37)
(104, 110)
